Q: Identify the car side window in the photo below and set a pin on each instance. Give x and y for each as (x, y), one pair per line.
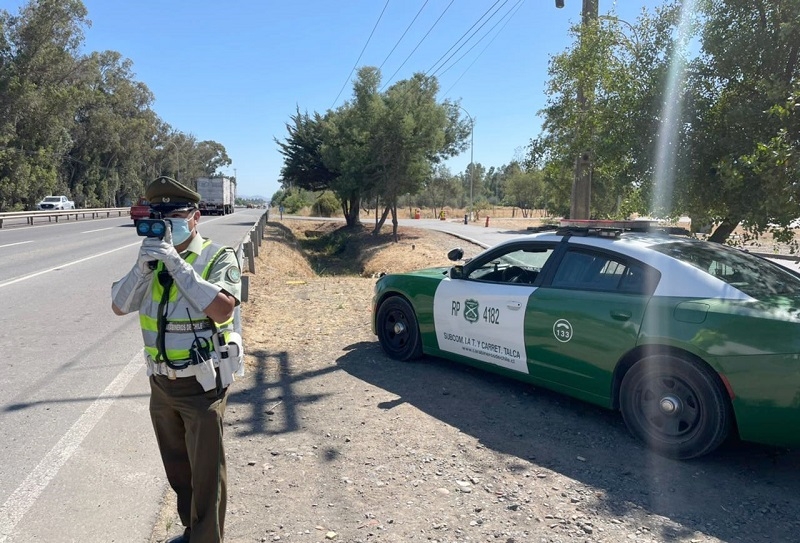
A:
(589, 270)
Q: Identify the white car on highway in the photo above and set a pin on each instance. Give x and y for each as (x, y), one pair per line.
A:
(52, 203)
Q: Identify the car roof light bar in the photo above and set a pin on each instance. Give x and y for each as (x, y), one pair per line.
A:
(613, 228)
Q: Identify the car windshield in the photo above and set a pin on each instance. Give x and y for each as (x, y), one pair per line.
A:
(754, 276)
(516, 266)
(52, 199)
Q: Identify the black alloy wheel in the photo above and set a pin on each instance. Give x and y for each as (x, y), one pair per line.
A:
(677, 406)
(398, 331)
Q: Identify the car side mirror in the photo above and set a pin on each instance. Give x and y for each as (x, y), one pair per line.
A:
(455, 254)
(457, 272)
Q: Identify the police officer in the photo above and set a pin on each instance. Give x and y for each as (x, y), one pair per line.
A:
(185, 289)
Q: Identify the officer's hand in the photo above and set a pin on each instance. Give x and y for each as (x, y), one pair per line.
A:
(143, 263)
(158, 249)
(168, 233)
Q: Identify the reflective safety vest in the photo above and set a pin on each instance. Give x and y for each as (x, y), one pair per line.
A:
(170, 324)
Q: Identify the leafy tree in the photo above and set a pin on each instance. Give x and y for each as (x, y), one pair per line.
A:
(739, 164)
(212, 157)
(412, 134)
(347, 144)
(620, 71)
(112, 133)
(472, 182)
(439, 188)
(39, 70)
(492, 183)
(729, 157)
(377, 146)
(303, 165)
(525, 190)
(79, 124)
(278, 197)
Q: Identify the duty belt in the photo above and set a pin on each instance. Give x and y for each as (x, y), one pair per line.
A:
(161, 368)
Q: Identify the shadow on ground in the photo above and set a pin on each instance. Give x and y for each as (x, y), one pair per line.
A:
(742, 493)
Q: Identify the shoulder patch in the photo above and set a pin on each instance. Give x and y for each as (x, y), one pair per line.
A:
(233, 274)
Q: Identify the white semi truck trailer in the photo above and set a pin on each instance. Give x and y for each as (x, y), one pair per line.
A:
(217, 195)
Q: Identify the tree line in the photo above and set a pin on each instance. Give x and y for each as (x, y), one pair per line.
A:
(681, 114)
(79, 123)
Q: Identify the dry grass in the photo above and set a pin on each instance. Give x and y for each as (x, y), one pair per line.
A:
(330, 249)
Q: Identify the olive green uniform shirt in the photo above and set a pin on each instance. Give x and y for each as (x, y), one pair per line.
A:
(225, 273)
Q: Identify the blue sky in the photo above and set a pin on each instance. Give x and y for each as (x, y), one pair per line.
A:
(234, 72)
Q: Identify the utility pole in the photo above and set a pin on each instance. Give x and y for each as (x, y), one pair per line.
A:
(580, 207)
(471, 162)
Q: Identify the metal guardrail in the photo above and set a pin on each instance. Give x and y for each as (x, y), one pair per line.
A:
(50, 215)
(247, 251)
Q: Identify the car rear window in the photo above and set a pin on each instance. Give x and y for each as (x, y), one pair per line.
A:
(752, 275)
(142, 202)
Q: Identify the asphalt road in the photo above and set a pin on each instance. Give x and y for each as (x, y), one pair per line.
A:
(80, 462)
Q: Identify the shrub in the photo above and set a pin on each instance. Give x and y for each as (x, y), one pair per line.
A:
(295, 201)
(326, 205)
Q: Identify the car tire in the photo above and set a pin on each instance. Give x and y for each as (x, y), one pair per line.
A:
(398, 330)
(675, 405)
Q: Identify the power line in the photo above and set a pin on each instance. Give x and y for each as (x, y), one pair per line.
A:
(404, 34)
(431, 69)
(505, 17)
(418, 44)
(362, 52)
(481, 53)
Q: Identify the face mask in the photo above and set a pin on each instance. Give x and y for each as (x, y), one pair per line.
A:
(180, 231)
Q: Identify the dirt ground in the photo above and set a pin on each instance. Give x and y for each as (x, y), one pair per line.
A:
(329, 440)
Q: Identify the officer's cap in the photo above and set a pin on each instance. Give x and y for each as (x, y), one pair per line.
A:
(168, 195)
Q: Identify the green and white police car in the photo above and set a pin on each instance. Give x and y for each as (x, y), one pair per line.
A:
(690, 340)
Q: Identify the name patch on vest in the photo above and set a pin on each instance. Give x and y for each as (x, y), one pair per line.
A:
(180, 327)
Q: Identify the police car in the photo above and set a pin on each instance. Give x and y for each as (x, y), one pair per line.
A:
(692, 341)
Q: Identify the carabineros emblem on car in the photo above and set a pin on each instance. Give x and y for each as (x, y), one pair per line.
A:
(471, 310)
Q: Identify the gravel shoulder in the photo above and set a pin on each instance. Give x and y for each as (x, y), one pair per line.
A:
(329, 440)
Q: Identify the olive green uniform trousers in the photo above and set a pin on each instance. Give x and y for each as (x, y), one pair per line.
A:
(188, 426)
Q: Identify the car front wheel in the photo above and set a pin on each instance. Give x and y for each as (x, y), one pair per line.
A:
(676, 406)
(398, 330)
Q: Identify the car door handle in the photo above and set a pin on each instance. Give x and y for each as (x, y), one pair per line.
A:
(514, 306)
(619, 315)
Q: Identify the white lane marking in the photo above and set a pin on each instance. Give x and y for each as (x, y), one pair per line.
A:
(25, 496)
(98, 230)
(17, 243)
(62, 223)
(62, 266)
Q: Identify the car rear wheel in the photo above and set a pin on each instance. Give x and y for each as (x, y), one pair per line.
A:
(398, 331)
(676, 406)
